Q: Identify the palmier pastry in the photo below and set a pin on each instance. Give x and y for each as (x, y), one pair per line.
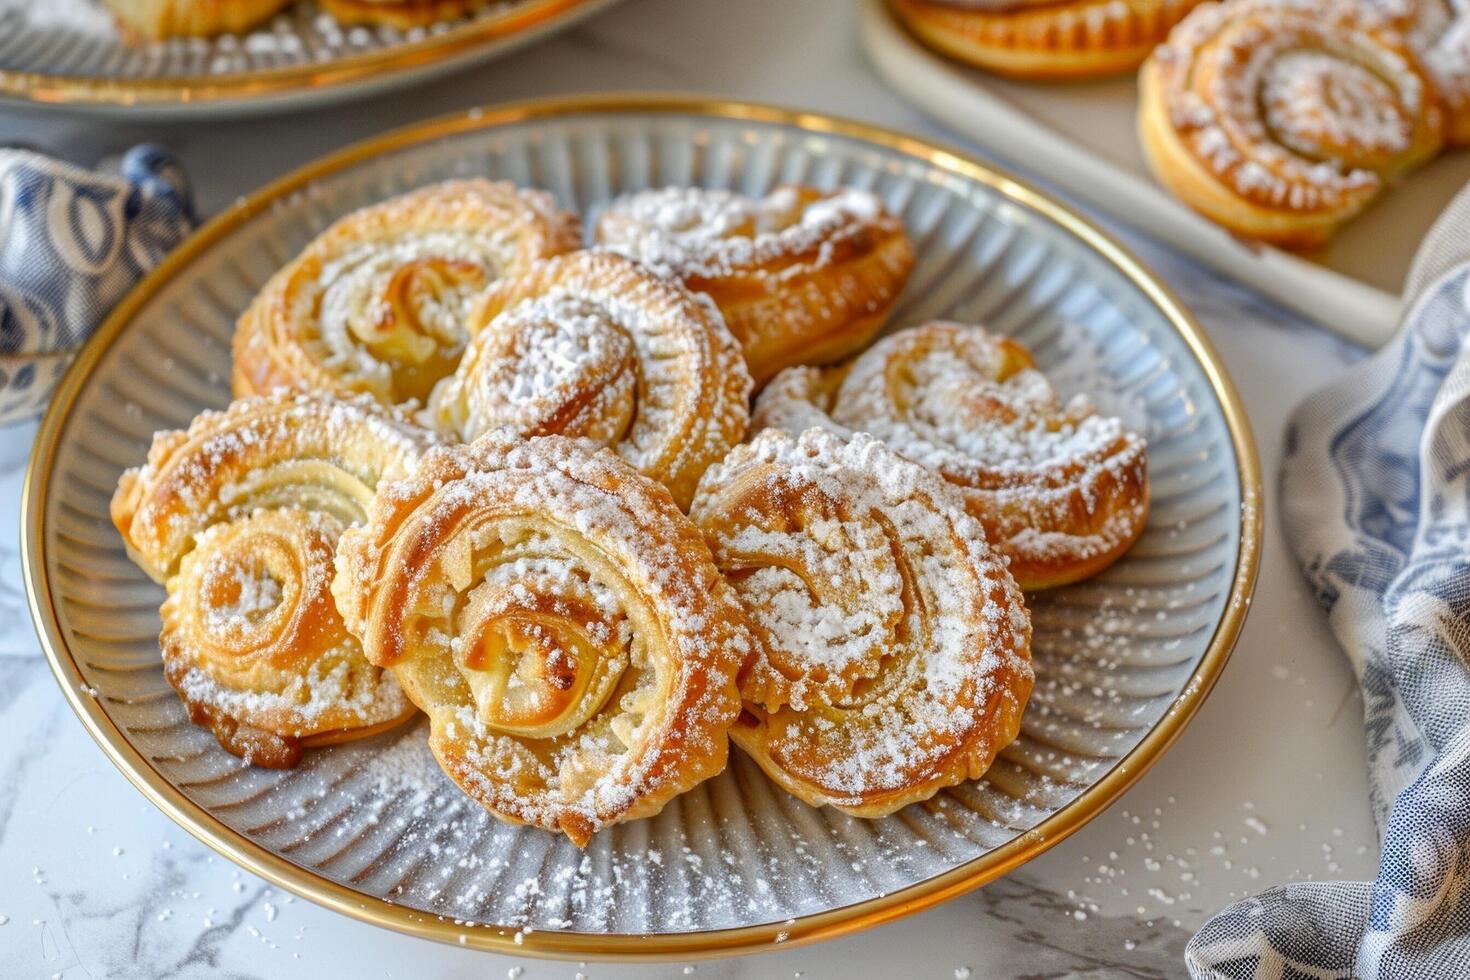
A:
(1061, 491)
(892, 647)
(558, 619)
(1044, 39)
(377, 303)
(1439, 31)
(158, 19)
(802, 276)
(239, 515)
(1281, 119)
(401, 14)
(593, 345)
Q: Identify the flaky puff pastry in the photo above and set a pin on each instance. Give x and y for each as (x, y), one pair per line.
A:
(1439, 32)
(802, 276)
(892, 647)
(158, 19)
(558, 619)
(239, 516)
(1281, 119)
(401, 14)
(1061, 490)
(377, 303)
(594, 345)
(1044, 39)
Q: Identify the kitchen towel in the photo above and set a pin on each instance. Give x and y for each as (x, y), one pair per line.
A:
(1375, 503)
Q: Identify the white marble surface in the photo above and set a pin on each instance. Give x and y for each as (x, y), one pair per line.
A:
(1266, 785)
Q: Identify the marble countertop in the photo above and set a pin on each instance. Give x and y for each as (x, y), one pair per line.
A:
(1267, 785)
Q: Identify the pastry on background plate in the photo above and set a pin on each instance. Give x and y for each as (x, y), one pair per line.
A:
(1282, 119)
(157, 19)
(1061, 490)
(400, 14)
(1044, 39)
(802, 276)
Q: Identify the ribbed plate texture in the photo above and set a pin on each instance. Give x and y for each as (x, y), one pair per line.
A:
(1111, 654)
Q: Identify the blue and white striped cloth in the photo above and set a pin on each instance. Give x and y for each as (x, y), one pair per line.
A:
(1375, 502)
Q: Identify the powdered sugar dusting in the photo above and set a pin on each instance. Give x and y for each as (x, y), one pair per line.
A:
(973, 408)
(894, 647)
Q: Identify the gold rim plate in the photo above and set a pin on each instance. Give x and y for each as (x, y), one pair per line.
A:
(893, 150)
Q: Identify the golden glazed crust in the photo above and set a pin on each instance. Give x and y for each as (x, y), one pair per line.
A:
(560, 622)
(1061, 491)
(377, 302)
(239, 516)
(158, 19)
(802, 276)
(1046, 40)
(892, 648)
(1281, 119)
(592, 345)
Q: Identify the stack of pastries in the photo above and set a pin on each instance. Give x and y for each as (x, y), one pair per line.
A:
(1277, 119)
(477, 471)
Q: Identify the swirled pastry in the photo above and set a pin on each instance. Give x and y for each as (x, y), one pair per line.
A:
(401, 14)
(1439, 31)
(558, 619)
(1061, 491)
(239, 516)
(802, 276)
(158, 19)
(892, 647)
(593, 345)
(1281, 119)
(1044, 39)
(377, 302)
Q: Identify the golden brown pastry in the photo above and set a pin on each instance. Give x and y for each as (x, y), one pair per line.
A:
(1439, 32)
(158, 19)
(1061, 491)
(239, 515)
(377, 302)
(1044, 39)
(401, 14)
(1281, 119)
(593, 345)
(892, 648)
(558, 619)
(802, 276)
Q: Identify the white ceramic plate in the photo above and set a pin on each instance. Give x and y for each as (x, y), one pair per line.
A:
(374, 828)
(69, 55)
(1082, 138)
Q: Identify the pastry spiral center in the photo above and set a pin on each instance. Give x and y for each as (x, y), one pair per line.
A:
(403, 304)
(558, 364)
(1326, 108)
(541, 648)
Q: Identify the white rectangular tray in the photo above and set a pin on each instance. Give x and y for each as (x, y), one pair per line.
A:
(1081, 138)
